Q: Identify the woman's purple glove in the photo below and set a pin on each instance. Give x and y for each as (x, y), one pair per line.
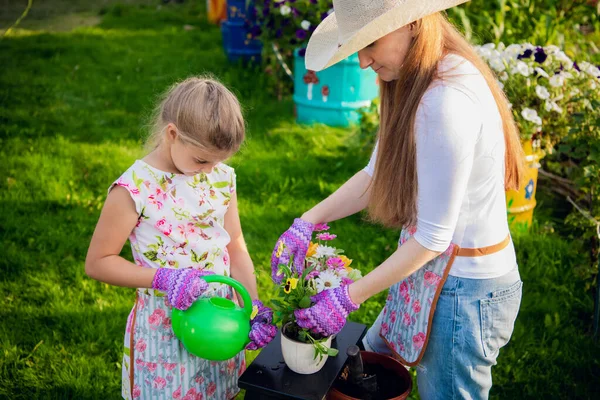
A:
(183, 286)
(262, 330)
(328, 315)
(294, 242)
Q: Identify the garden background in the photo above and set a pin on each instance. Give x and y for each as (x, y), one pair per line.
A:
(77, 82)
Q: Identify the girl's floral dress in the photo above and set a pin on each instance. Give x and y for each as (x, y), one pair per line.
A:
(180, 225)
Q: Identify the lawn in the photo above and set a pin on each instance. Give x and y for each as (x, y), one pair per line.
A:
(76, 87)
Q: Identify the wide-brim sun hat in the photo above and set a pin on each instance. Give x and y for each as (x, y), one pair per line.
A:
(354, 24)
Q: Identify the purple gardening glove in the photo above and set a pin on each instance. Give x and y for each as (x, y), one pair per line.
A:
(262, 330)
(183, 286)
(328, 315)
(294, 242)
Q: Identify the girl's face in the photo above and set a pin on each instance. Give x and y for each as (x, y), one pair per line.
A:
(387, 54)
(191, 160)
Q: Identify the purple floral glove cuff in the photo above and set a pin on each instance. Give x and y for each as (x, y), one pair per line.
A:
(294, 242)
(260, 335)
(182, 286)
(262, 330)
(328, 315)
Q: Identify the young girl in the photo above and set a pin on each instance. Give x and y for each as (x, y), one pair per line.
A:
(178, 207)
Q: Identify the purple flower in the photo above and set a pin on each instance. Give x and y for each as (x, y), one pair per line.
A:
(278, 33)
(255, 31)
(526, 54)
(326, 236)
(323, 16)
(576, 67)
(302, 52)
(301, 34)
(540, 55)
(295, 12)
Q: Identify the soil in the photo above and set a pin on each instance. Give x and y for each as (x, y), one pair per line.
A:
(388, 384)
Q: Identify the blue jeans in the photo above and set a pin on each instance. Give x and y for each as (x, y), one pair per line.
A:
(474, 318)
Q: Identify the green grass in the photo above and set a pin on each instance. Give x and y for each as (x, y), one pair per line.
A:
(73, 105)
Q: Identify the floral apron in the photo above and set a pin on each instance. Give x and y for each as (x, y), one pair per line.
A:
(410, 305)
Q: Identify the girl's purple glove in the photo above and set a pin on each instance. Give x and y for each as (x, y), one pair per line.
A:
(294, 242)
(183, 286)
(262, 330)
(328, 315)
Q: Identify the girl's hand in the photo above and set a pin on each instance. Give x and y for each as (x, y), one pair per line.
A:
(183, 286)
(262, 330)
(328, 315)
(294, 242)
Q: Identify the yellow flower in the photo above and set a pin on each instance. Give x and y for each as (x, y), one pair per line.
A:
(254, 312)
(312, 249)
(346, 262)
(290, 285)
(279, 249)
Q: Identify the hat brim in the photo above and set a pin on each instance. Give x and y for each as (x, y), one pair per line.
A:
(323, 49)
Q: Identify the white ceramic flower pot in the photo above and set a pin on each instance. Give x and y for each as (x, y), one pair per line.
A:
(300, 357)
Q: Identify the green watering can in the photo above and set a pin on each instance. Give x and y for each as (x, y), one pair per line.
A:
(215, 328)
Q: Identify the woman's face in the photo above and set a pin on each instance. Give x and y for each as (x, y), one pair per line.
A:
(387, 54)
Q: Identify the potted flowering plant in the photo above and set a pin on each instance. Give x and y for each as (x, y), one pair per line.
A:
(325, 267)
(546, 90)
(332, 96)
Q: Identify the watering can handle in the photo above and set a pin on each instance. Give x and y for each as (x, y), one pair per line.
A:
(236, 285)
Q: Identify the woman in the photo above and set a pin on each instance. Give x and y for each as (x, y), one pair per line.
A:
(447, 150)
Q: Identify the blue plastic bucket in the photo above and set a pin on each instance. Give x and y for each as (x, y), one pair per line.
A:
(237, 43)
(334, 95)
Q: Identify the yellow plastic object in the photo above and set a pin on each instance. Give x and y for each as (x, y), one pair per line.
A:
(520, 204)
(216, 10)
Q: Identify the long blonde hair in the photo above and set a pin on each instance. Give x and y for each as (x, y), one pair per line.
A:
(205, 112)
(393, 199)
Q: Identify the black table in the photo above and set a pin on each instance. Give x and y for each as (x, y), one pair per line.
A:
(269, 378)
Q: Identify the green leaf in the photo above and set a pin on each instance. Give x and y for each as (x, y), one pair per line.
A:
(304, 302)
(151, 255)
(220, 185)
(332, 352)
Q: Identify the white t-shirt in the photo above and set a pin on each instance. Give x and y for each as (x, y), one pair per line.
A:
(460, 170)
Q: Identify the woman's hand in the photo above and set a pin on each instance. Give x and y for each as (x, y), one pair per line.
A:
(294, 242)
(182, 286)
(262, 330)
(328, 315)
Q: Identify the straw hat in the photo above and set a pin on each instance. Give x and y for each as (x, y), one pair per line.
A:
(355, 24)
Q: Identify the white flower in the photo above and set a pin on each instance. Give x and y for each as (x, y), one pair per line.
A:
(324, 251)
(285, 10)
(574, 92)
(541, 72)
(489, 46)
(503, 76)
(531, 115)
(327, 280)
(557, 80)
(497, 64)
(593, 85)
(500, 84)
(542, 92)
(305, 25)
(521, 68)
(556, 107)
(512, 51)
(589, 69)
(561, 56)
(551, 49)
(548, 106)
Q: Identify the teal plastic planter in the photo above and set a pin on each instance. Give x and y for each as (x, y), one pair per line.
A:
(332, 96)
